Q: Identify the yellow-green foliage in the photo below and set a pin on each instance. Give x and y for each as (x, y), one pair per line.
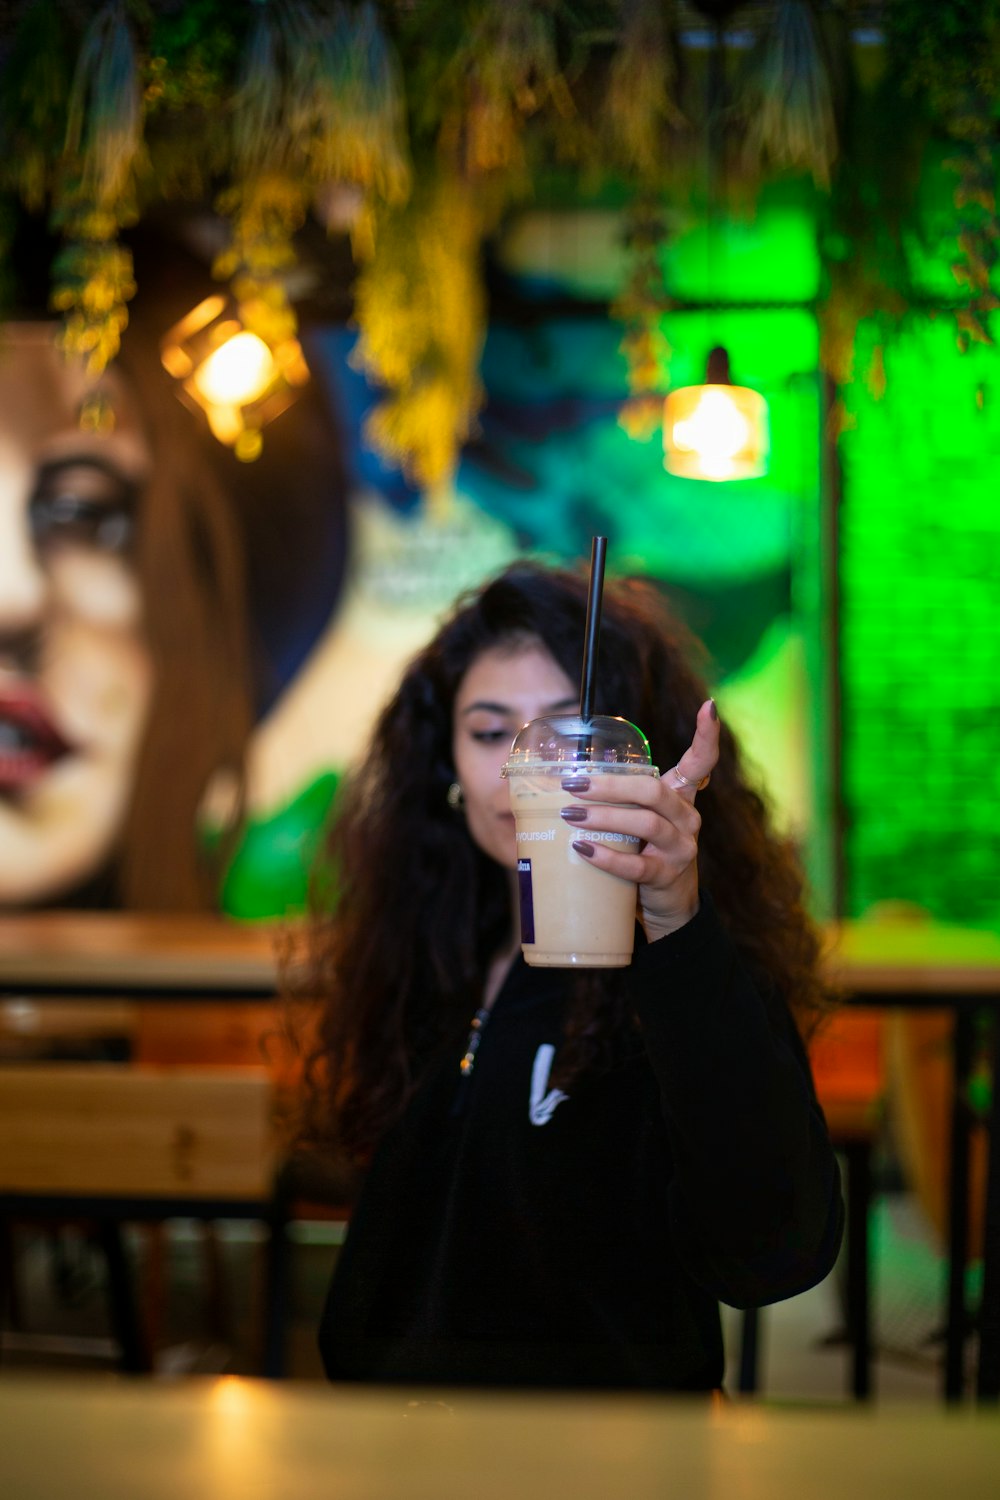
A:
(104, 148)
(640, 109)
(421, 314)
(317, 103)
(341, 108)
(264, 211)
(503, 71)
(95, 284)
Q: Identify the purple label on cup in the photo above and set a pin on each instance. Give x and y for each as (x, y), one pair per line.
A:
(526, 902)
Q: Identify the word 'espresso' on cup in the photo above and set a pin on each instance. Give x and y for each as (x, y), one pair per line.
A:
(547, 835)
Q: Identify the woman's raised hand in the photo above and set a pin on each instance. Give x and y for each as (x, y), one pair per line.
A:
(660, 812)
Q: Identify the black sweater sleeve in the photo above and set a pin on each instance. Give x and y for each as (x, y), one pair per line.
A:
(755, 1199)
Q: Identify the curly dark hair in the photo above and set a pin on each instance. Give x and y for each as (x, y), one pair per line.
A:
(415, 911)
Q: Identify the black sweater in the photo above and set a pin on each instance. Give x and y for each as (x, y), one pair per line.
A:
(507, 1235)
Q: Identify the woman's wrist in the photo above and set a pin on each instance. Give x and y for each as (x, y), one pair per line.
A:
(662, 926)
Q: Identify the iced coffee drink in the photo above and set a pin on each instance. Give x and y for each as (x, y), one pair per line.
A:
(571, 913)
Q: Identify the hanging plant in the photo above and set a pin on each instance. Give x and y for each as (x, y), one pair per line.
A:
(950, 56)
(193, 55)
(193, 51)
(639, 115)
(786, 99)
(640, 108)
(855, 296)
(420, 312)
(347, 111)
(286, 107)
(864, 253)
(316, 109)
(34, 89)
(95, 196)
(420, 306)
(265, 210)
(641, 306)
(503, 70)
(264, 205)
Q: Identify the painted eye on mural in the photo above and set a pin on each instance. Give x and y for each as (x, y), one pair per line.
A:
(84, 503)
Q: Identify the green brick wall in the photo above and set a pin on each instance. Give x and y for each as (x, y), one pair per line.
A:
(920, 582)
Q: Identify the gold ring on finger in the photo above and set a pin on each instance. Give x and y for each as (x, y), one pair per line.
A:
(681, 780)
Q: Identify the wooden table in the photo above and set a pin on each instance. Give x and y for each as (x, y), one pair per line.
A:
(155, 955)
(880, 963)
(233, 1439)
(55, 952)
(916, 965)
(920, 963)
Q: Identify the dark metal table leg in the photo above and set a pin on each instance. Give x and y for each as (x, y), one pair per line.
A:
(858, 1154)
(958, 1209)
(988, 1379)
(135, 1355)
(277, 1269)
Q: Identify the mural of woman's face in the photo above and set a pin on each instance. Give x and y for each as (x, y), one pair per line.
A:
(75, 670)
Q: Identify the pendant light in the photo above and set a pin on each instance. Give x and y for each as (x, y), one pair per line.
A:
(717, 430)
(231, 374)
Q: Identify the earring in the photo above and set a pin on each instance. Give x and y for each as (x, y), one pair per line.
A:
(456, 797)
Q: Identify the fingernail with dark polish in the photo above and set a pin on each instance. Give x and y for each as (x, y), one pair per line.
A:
(576, 784)
(573, 814)
(713, 710)
(587, 850)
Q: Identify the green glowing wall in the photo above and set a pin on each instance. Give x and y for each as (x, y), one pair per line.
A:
(920, 562)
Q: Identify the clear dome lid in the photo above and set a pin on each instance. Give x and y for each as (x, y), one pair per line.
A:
(558, 741)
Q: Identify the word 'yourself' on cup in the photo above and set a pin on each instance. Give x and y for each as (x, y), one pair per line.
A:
(571, 913)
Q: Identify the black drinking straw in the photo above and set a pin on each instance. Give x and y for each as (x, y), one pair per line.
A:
(592, 633)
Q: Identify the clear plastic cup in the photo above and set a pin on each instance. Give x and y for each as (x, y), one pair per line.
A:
(572, 914)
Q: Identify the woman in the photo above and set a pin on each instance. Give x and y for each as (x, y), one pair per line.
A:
(576, 1229)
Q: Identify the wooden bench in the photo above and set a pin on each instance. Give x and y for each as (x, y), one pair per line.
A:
(116, 1143)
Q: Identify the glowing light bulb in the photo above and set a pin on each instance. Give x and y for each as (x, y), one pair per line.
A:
(715, 432)
(230, 375)
(236, 373)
